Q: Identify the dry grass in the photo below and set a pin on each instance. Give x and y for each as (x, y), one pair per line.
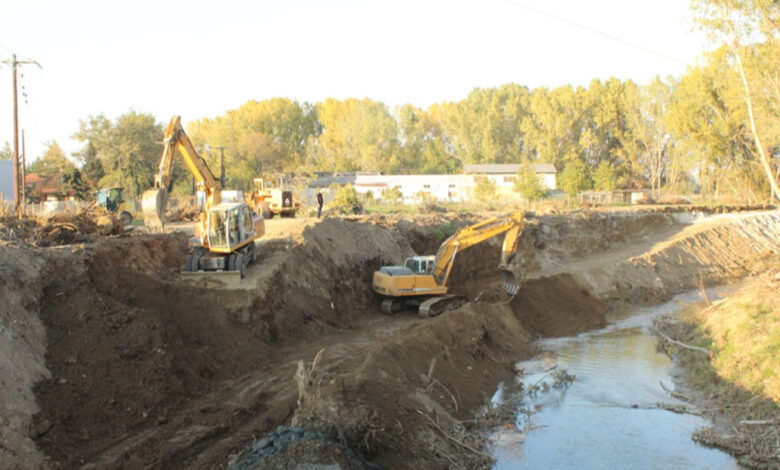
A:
(746, 338)
(738, 379)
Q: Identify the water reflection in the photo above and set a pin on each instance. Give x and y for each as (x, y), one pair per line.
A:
(607, 418)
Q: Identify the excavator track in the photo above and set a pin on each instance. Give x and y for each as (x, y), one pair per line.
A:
(391, 306)
(435, 306)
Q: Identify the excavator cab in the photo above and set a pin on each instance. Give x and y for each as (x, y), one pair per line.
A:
(110, 198)
(420, 264)
(230, 226)
(113, 201)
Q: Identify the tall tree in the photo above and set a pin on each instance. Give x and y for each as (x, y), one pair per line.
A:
(750, 29)
(357, 135)
(575, 178)
(52, 162)
(128, 149)
(422, 146)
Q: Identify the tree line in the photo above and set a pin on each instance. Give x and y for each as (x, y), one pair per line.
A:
(714, 130)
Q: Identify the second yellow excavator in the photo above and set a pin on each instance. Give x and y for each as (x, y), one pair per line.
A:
(422, 280)
(227, 229)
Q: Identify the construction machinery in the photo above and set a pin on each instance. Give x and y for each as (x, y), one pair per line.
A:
(422, 281)
(270, 200)
(112, 200)
(227, 229)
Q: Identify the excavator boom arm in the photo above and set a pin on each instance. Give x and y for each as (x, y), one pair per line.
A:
(176, 142)
(511, 223)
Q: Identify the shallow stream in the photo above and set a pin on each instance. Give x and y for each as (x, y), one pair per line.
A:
(608, 417)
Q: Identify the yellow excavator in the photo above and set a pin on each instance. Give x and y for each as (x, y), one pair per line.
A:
(227, 229)
(422, 281)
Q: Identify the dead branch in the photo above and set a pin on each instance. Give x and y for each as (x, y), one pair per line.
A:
(682, 345)
(677, 395)
(456, 441)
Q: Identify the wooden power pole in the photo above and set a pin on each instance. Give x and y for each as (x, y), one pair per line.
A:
(14, 65)
(23, 175)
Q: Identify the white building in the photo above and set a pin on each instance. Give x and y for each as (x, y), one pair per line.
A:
(453, 188)
(505, 174)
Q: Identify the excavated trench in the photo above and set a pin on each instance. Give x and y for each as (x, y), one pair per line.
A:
(143, 371)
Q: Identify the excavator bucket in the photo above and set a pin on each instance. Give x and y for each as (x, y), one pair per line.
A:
(153, 206)
(511, 283)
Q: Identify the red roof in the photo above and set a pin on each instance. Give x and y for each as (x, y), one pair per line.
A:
(33, 178)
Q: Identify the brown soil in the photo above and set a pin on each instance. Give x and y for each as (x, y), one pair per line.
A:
(149, 372)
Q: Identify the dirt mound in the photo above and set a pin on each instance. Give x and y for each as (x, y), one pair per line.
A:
(61, 229)
(558, 306)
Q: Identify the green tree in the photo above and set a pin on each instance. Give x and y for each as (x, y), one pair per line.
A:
(259, 138)
(604, 178)
(392, 195)
(6, 153)
(74, 181)
(422, 147)
(485, 127)
(528, 184)
(128, 149)
(485, 190)
(750, 31)
(346, 199)
(552, 131)
(574, 178)
(52, 162)
(91, 166)
(357, 135)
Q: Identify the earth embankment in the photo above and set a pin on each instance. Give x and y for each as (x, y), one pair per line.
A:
(141, 370)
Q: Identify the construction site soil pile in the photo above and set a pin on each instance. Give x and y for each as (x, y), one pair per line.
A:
(61, 229)
(142, 370)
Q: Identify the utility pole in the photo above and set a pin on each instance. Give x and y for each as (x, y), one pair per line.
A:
(22, 183)
(222, 167)
(14, 64)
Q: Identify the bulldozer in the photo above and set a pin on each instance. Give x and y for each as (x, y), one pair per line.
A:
(422, 281)
(227, 229)
(270, 200)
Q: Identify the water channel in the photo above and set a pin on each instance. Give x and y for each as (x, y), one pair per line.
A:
(607, 418)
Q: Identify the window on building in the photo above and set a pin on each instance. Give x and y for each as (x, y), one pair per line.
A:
(510, 179)
(427, 186)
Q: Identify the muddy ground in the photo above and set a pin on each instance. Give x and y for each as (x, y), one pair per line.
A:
(110, 361)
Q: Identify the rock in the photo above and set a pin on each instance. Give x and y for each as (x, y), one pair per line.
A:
(41, 428)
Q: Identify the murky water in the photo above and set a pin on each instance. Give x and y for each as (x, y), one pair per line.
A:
(607, 418)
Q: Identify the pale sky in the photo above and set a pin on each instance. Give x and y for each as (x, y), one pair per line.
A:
(202, 58)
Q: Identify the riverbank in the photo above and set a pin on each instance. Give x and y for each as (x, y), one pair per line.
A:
(730, 352)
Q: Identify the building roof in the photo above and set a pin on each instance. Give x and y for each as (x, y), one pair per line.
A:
(34, 178)
(325, 181)
(505, 168)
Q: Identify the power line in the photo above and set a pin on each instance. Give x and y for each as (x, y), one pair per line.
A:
(17, 193)
(596, 31)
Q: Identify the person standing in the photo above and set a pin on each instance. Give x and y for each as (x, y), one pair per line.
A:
(319, 205)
